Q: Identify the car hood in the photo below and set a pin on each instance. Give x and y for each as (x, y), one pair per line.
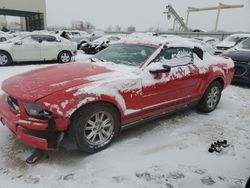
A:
(238, 55)
(34, 85)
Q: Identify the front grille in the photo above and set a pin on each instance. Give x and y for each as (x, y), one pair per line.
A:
(13, 103)
(240, 70)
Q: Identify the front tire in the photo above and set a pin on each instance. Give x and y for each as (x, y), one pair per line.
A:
(94, 127)
(211, 97)
(5, 59)
(64, 57)
(2, 39)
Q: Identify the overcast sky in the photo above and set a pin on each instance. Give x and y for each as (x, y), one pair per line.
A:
(144, 14)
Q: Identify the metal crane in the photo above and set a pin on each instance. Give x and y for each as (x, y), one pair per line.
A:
(170, 11)
(219, 8)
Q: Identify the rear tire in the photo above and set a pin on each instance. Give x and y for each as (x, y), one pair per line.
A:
(94, 127)
(5, 59)
(2, 39)
(64, 57)
(211, 97)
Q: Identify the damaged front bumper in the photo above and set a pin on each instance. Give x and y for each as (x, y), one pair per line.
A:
(40, 134)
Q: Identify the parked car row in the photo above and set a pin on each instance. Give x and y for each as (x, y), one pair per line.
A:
(62, 45)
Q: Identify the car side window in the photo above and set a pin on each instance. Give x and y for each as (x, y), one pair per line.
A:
(113, 38)
(245, 44)
(175, 56)
(31, 39)
(49, 38)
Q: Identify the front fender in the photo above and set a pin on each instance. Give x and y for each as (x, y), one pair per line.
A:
(66, 103)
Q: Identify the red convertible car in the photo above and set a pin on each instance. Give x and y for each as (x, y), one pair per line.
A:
(127, 83)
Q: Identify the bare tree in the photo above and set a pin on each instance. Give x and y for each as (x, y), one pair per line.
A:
(89, 26)
(109, 29)
(117, 28)
(131, 29)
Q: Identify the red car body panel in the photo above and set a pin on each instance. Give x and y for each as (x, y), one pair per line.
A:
(37, 84)
(64, 89)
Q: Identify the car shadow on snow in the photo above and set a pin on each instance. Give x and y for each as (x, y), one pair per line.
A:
(68, 153)
(242, 85)
(15, 152)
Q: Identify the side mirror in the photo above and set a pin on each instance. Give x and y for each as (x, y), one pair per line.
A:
(18, 43)
(164, 69)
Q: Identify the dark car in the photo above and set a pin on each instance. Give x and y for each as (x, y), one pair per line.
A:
(100, 43)
(241, 57)
(230, 42)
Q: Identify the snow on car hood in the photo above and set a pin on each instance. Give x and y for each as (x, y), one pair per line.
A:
(226, 44)
(37, 84)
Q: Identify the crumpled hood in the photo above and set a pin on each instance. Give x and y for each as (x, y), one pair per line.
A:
(34, 85)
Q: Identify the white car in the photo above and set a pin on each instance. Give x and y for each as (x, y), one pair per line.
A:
(230, 42)
(4, 36)
(36, 47)
(80, 37)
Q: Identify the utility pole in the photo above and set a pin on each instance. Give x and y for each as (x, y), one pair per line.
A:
(218, 8)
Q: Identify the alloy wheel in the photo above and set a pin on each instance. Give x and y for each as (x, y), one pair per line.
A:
(3, 59)
(213, 97)
(65, 57)
(99, 128)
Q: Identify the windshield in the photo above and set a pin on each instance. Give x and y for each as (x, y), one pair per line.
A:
(128, 54)
(244, 44)
(233, 39)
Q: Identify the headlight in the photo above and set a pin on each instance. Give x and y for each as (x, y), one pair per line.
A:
(36, 110)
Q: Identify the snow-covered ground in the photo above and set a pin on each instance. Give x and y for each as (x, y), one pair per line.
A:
(170, 152)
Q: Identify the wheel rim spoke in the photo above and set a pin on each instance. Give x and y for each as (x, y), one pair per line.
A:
(91, 134)
(101, 137)
(92, 123)
(105, 133)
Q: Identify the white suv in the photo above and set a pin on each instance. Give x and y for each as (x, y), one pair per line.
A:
(36, 47)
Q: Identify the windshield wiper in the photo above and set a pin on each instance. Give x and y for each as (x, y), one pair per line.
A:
(93, 59)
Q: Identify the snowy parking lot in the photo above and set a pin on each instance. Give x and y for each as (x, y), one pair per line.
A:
(169, 152)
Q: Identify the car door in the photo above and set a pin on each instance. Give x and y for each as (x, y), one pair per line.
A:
(27, 49)
(178, 85)
(50, 47)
